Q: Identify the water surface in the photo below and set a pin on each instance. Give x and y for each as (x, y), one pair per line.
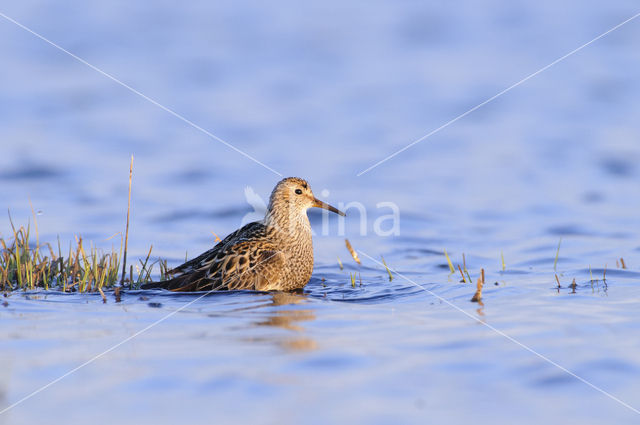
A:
(323, 91)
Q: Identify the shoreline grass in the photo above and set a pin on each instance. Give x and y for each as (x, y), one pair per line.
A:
(24, 266)
(81, 268)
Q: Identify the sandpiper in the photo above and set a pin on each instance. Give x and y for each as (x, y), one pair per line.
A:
(275, 253)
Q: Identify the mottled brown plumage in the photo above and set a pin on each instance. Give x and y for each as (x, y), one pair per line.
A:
(273, 254)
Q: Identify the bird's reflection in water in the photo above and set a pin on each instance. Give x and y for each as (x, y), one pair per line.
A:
(289, 319)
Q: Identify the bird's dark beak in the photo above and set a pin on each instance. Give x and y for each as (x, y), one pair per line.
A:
(319, 204)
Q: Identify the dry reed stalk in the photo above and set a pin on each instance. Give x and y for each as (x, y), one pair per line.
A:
(353, 252)
(462, 274)
(477, 297)
(126, 234)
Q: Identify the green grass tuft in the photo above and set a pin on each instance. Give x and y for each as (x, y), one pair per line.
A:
(387, 267)
(449, 261)
(25, 266)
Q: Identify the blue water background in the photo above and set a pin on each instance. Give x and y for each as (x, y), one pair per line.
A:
(324, 90)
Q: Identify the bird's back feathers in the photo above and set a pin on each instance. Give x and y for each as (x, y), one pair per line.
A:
(246, 259)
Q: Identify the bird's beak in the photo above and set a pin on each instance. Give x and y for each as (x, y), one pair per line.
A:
(319, 204)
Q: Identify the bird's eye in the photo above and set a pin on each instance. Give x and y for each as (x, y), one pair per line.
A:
(299, 191)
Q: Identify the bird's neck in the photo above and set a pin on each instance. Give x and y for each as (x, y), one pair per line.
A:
(288, 223)
(293, 230)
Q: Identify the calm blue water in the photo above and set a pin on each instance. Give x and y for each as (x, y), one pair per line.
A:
(324, 91)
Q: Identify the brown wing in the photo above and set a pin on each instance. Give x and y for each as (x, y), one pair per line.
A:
(197, 263)
(255, 270)
(246, 261)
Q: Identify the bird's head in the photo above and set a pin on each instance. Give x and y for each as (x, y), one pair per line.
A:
(294, 196)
